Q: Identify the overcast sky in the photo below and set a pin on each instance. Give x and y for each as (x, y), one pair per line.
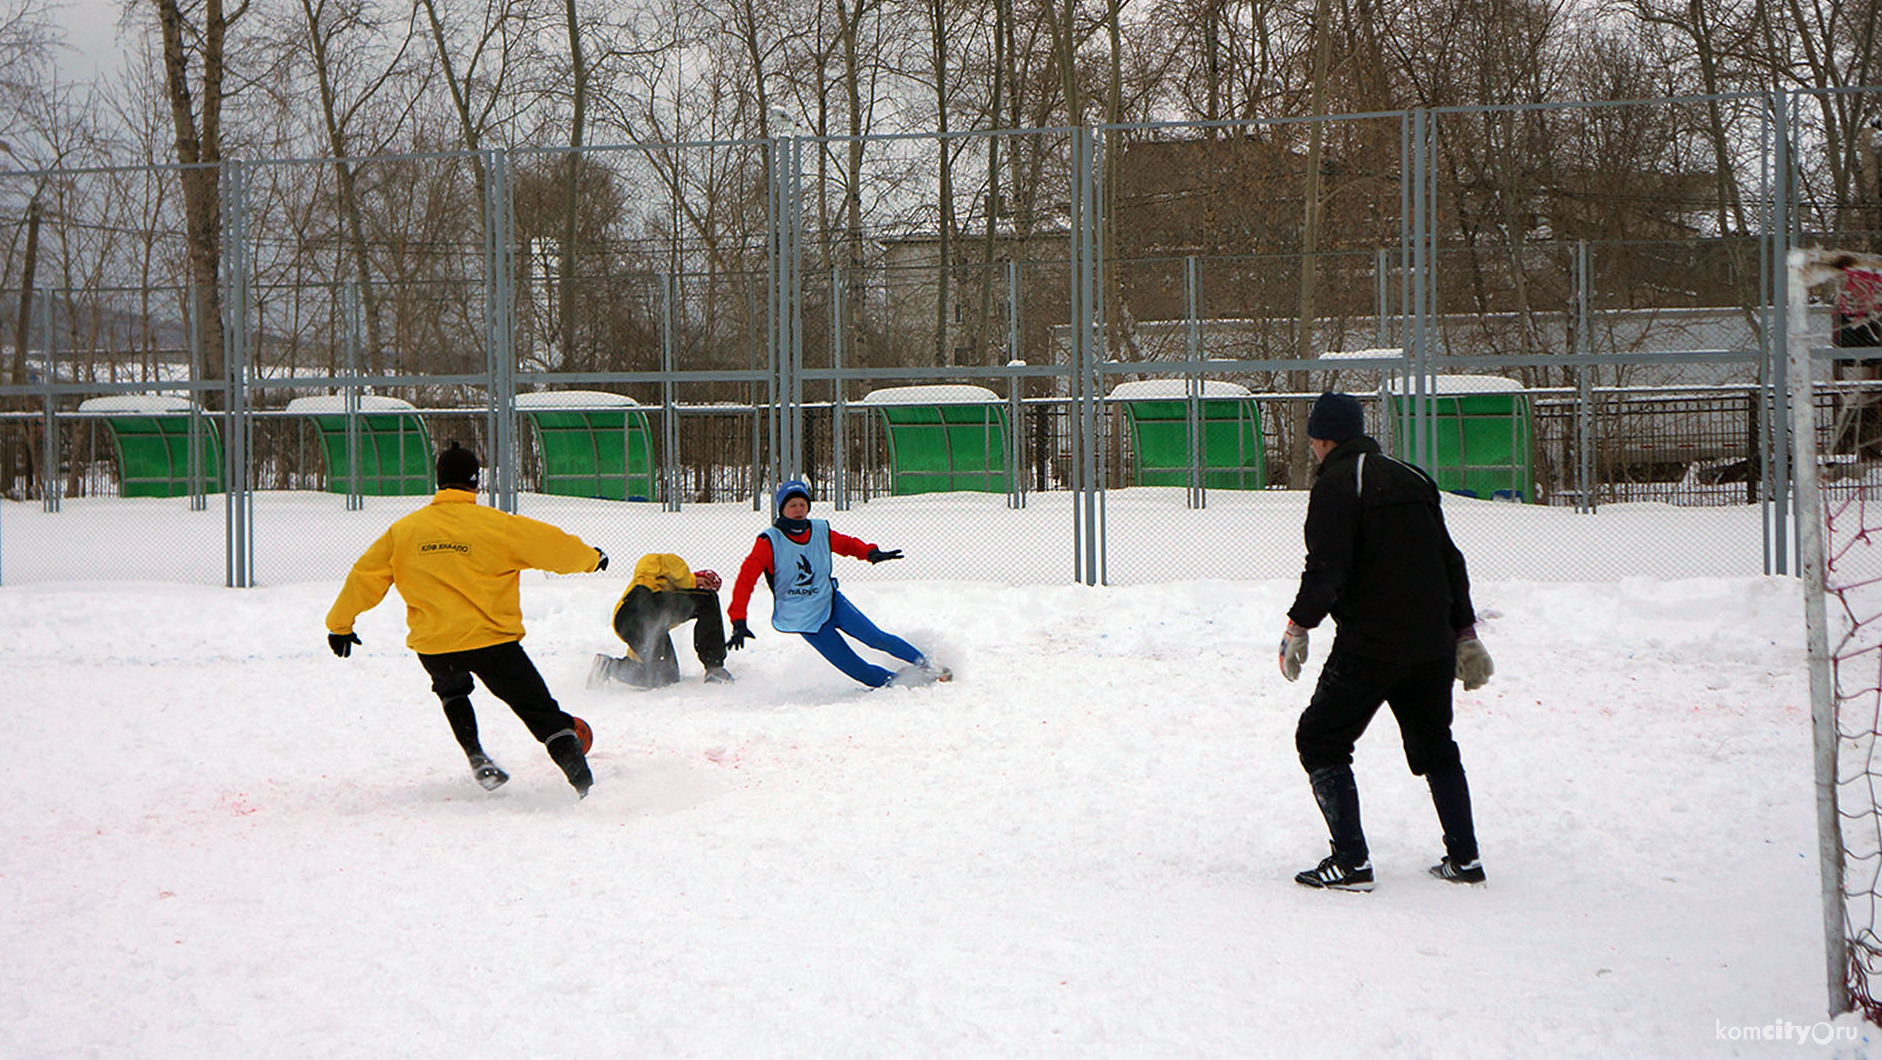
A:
(91, 30)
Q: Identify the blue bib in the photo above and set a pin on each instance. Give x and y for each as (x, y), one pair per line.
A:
(801, 588)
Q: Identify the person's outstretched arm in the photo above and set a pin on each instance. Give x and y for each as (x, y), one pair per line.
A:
(365, 586)
(757, 562)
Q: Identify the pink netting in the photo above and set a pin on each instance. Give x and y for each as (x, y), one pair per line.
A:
(1853, 590)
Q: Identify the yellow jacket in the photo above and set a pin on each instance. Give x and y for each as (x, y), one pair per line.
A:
(662, 572)
(455, 563)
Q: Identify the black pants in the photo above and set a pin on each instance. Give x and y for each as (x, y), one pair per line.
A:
(509, 675)
(1350, 691)
(644, 621)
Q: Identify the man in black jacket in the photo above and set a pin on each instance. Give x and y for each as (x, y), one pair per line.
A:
(1380, 561)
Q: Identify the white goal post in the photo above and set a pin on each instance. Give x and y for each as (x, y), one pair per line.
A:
(1808, 270)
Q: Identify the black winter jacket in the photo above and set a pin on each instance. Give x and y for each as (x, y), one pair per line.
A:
(1379, 559)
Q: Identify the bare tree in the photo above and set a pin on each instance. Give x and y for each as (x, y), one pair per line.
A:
(1825, 48)
(479, 67)
(1710, 39)
(355, 64)
(570, 256)
(195, 71)
(45, 122)
(1305, 318)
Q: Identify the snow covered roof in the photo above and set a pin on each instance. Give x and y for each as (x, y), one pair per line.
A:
(1176, 388)
(331, 403)
(1464, 384)
(573, 399)
(1380, 353)
(940, 394)
(148, 404)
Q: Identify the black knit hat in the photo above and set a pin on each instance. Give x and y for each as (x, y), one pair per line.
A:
(1335, 418)
(457, 466)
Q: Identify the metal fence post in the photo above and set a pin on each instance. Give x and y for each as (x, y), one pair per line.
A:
(839, 429)
(1015, 387)
(1084, 355)
(794, 300)
(49, 488)
(500, 322)
(1784, 510)
(355, 500)
(1424, 267)
(670, 472)
(1381, 289)
(1099, 352)
(1584, 408)
(786, 324)
(239, 498)
(1196, 496)
(198, 475)
(774, 264)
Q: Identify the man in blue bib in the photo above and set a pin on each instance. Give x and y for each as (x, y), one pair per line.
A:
(794, 556)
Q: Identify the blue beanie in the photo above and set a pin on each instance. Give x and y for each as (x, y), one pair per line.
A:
(788, 489)
(1336, 418)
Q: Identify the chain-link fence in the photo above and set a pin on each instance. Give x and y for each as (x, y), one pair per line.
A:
(1073, 344)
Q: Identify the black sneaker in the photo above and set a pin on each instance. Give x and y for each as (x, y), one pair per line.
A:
(488, 773)
(1458, 871)
(1334, 875)
(565, 748)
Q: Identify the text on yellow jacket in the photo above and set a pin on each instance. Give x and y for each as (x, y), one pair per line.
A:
(456, 564)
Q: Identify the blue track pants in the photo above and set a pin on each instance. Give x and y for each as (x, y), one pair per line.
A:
(844, 618)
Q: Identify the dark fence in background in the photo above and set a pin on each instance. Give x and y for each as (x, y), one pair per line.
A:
(756, 298)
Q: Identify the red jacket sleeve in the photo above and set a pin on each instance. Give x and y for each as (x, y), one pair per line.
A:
(756, 563)
(853, 547)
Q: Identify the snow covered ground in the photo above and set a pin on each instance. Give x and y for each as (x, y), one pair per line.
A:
(220, 841)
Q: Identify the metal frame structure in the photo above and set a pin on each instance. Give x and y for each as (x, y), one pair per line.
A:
(1090, 358)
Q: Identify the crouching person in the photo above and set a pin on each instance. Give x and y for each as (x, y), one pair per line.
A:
(663, 595)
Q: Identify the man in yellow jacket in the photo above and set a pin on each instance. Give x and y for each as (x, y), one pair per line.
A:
(664, 594)
(456, 567)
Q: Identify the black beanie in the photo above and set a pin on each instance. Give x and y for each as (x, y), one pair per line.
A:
(1336, 418)
(457, 466)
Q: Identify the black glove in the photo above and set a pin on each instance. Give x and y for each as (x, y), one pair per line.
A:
(603, 564)
(877, 555)
(342, 643)
(740, 634)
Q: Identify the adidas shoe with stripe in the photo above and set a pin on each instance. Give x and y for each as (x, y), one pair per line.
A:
(1334, 875)
(1458, 871)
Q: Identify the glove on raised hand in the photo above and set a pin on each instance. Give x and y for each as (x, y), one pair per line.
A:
(740, 634)
(877, 555)
(1473, 660)
(707, 580)
(1293, 650)
(601, 560)
(342, 643)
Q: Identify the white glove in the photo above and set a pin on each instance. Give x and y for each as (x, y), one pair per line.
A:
(1473, 660)
(1293, 650)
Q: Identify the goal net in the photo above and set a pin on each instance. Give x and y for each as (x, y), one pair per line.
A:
(1835, 300)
